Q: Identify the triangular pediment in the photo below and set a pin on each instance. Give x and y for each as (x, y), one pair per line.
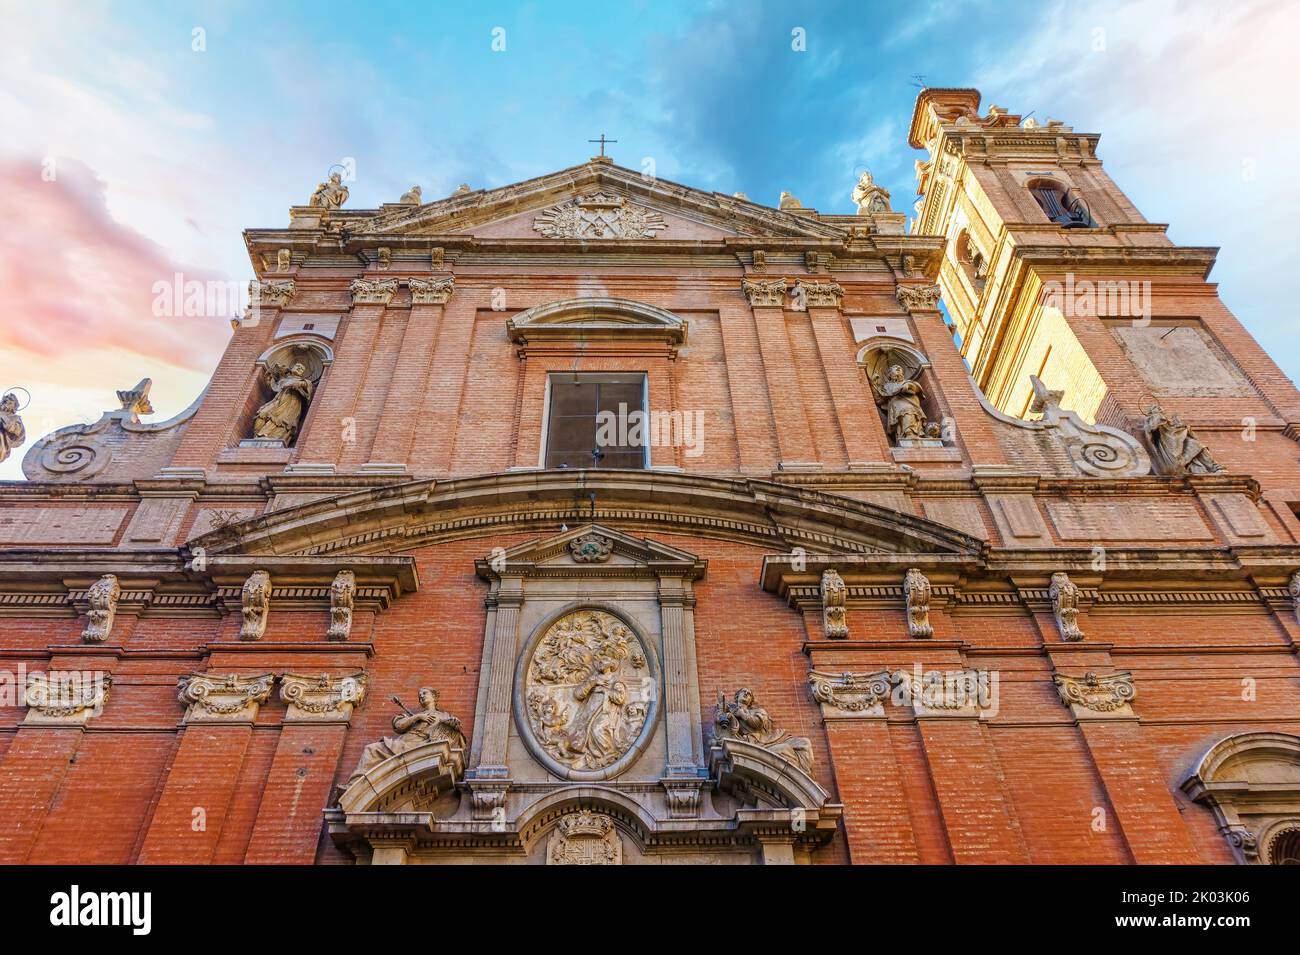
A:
(591, 547)
(597, 201)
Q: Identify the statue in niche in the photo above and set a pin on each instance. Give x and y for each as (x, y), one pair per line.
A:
(280, 418)
(331, 194)
(12, 430)
(1177, 450)
(426, 725)
(745, 720)
(900, 397)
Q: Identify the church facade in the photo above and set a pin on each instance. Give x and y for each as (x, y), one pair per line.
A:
(598, 519)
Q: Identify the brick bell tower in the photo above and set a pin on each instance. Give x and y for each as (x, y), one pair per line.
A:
(1051, 271)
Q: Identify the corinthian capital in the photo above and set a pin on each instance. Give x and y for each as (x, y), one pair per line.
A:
(769, 292)
(224, 699)
(431, 291)
(818, 294)
(321, 699)
(373, 292)
(916, 298)
(273, 294)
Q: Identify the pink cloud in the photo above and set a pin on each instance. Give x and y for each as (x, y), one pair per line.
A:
(76, 279)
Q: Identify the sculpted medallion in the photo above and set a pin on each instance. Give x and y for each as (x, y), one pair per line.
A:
(588, 694)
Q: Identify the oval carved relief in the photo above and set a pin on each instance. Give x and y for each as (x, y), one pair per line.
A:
(588, 695)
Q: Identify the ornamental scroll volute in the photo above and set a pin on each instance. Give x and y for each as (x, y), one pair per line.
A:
(589, 695)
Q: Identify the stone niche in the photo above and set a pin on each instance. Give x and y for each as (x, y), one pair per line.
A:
(587, 745)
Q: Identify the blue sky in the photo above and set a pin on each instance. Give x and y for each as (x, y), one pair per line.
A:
(171, 151)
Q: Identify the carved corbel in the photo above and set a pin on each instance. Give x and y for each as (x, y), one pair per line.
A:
(917, 298)
(321, 699)
(487, 799)
(1092, 695)
(229, 699)
(1065, 605)
(102, 596)
(343, 592)
(373, 291)
(1293, 587)
(65, 698)
(683, 797)
(764, 292)
(851, 695)
(255, 604)
(917, 590)
(835, 623)
(431, 291)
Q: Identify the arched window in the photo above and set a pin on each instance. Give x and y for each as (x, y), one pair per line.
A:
(1063, 206)
(1285, 849)
(1252, 783)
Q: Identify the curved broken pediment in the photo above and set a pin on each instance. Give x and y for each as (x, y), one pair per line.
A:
(763, 513)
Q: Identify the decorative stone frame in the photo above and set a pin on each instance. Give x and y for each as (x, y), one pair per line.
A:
(528, 573)
(529, 648)
(934, 405)
(1251, 781)
(598, 325)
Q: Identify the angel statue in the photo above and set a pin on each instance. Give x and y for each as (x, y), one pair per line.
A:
(330, 194)
(428, 724)
(1177, 450)
(12, 431)
(900, 397)
(279, 418)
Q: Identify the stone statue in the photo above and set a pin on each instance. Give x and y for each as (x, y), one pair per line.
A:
(12, 431)
(427, 725)
(279, 418)
(870, 197)
(411, 197)
(746, 720)
(789, 202)
(901, 397)
(331, 194)
(1176, 449)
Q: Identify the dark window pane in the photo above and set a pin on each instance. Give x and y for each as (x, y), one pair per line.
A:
(568, 398)
(612, 395)
(572, 424)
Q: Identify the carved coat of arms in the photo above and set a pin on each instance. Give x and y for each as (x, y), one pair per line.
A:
(599, 216)
(588, 691)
